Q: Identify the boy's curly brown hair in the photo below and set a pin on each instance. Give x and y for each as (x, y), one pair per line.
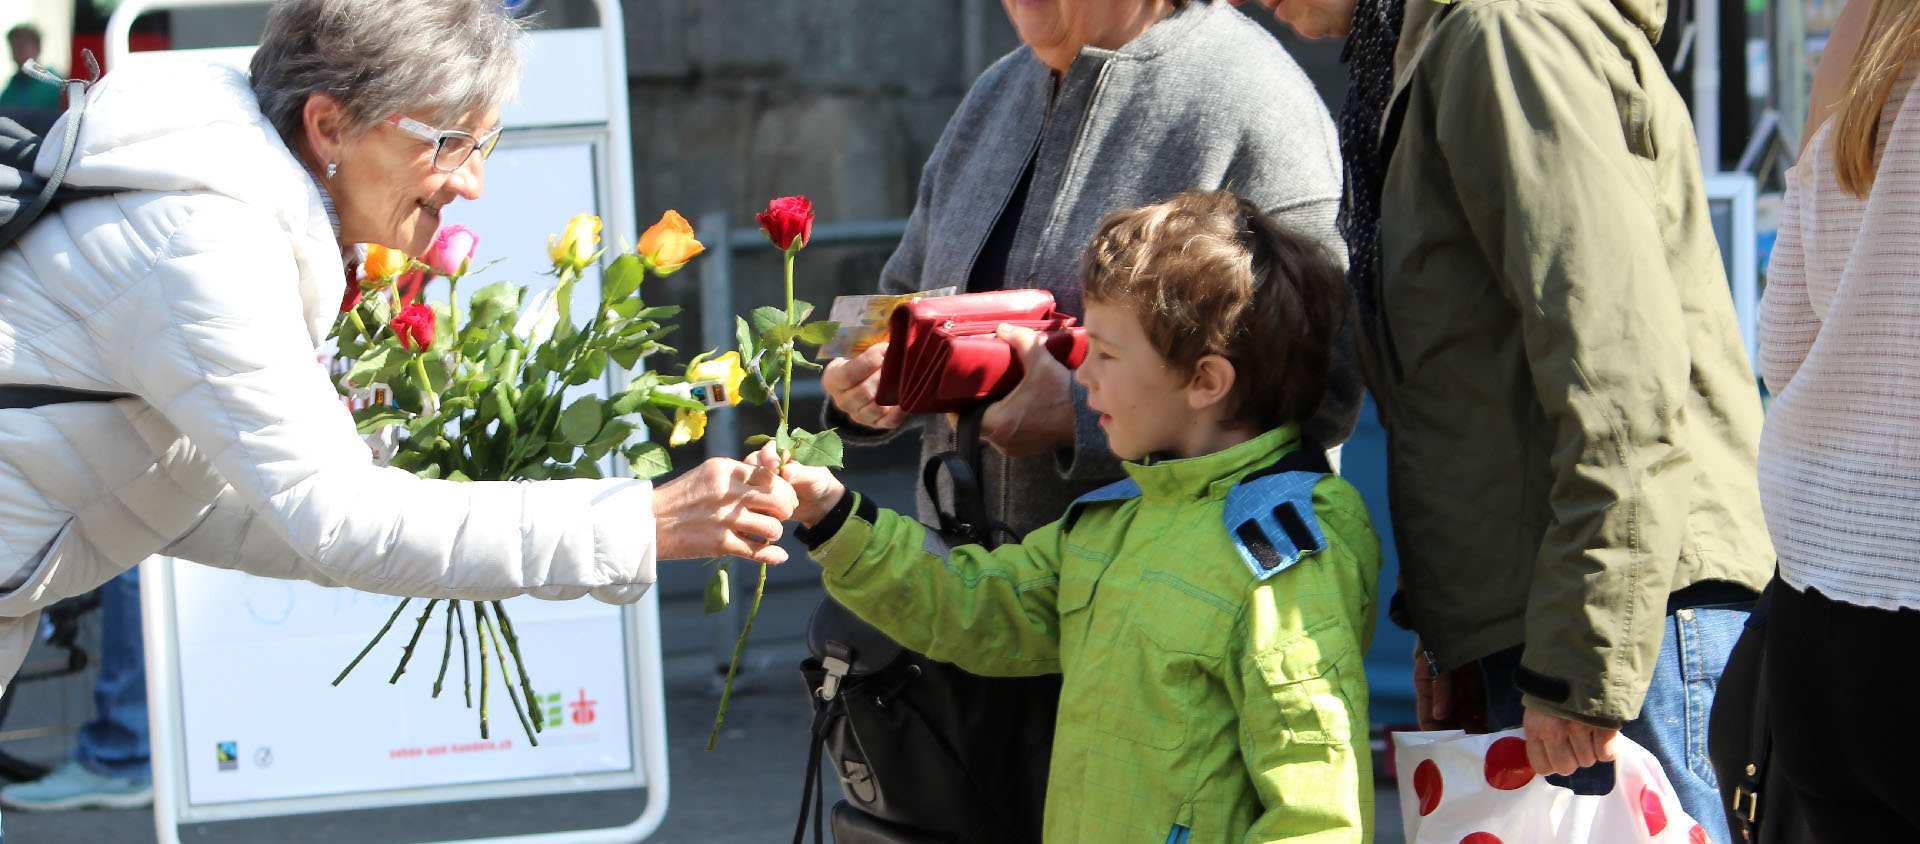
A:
(1209, 273)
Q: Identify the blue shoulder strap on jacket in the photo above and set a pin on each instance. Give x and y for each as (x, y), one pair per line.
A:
(1117, 491)
(1270, 518)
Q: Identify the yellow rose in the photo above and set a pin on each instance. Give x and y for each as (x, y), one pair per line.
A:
(669, 244)
(576, 245)
(383, 263)
(688, 425)
(725, 369)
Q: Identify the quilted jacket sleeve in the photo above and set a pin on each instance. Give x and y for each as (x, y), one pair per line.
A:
(220, 348)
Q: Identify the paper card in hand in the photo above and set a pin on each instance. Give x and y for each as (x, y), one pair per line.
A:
(943, 355)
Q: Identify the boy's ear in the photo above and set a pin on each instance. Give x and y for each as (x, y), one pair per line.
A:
(1212, 380)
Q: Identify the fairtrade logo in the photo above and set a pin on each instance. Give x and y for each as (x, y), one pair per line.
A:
(227, 753)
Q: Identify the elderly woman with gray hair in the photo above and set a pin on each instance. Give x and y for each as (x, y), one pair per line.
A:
(176, 322)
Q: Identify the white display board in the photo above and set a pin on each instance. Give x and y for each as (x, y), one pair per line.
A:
(245, 721)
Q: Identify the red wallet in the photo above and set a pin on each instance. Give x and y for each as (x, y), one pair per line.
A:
(942, 355)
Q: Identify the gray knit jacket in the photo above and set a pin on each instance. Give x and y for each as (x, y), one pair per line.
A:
(1203, 99)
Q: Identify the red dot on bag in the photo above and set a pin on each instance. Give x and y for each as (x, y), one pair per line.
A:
(1507, 765)
(1651, 810)
(1482, 838)
(1698, 835)
(1426, 784)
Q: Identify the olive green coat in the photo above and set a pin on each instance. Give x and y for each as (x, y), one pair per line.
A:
(1572, 421)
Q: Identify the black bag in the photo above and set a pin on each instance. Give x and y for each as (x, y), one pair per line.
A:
(925, 753)
(1740, 744)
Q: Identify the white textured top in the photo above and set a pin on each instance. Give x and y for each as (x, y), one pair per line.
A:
(1840, 350)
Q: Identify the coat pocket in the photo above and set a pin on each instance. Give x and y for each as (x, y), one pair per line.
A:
(1162, 659)
(1304, 675)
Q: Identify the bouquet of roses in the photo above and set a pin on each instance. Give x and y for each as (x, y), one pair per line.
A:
(484, 394)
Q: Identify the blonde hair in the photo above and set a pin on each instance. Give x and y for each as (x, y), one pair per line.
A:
(1892, 39)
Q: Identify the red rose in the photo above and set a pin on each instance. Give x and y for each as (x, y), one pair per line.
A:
(414, 327)
(351, 298)
(788, 222)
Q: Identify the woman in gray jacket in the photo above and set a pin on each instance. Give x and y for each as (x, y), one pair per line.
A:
(1108, 105)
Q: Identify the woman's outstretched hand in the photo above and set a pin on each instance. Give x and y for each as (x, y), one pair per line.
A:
(722, 507)
(815, 487)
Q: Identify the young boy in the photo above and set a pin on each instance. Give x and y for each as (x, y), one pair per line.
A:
(1209, 614)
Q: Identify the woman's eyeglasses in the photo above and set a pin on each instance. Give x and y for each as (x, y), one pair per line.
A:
(451, 147)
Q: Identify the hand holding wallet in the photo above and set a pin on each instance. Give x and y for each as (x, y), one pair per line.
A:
(943, 355)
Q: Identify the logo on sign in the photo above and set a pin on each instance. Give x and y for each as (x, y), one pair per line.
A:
(228, 754)
(582, 709)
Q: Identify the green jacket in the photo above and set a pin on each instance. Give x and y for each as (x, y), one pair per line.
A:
(1196, 694)
(1572, 421)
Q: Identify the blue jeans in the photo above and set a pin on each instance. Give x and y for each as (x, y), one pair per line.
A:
(115, 741)
(1673, 719)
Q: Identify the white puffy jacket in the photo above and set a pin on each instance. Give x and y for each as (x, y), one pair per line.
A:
(204, 292)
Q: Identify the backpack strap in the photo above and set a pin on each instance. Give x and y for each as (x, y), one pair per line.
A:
(1269, 514)
(76, 106)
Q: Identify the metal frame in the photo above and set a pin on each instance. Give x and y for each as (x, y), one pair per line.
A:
(646, 715)
(1741, 191)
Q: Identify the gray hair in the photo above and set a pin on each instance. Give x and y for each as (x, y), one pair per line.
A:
(446, 58)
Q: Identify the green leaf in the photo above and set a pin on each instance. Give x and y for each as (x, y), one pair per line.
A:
(803, 362)
(492, 302)
(430, 472)
(627, 358)
(621, 278)
(585, 468)
(818, 333)
(367, 420)
(800, 312)
(457, 475)
(560, 453)
(659, 312)
(369, 365)
(588, 369)
(744, 338)
(661, 397)
(766, 318)
(626, 308)
(754, 392)
(581, 420)
(758, 440)
(822, 449)
(610, 438)
(649, 460)
(717, 596)
(783, 438)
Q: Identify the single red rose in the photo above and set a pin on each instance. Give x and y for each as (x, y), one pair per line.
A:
(414, 327)
(788, 222)
(351, 298)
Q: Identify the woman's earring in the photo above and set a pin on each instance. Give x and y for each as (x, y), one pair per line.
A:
(332, 168)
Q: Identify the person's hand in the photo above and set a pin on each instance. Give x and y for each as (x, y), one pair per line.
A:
(1557, 745)
(815, 487)
(722, 508)
(1037, 415)
(1453, 700)
(851, 384)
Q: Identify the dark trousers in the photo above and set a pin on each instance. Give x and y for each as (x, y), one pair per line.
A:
(1843, 688)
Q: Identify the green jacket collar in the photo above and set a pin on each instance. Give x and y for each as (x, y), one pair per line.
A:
(1212, 475)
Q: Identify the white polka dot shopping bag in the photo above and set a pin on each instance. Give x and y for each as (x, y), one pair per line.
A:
(1457, 788)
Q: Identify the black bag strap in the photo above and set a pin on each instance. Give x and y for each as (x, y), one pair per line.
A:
(22, 396)
(1745, 818)
(838, 660)
(76, 106)
(967, 519)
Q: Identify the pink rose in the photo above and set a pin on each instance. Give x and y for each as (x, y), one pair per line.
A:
(452, 250)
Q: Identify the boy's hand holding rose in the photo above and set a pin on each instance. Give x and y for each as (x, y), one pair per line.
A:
(815, 487)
